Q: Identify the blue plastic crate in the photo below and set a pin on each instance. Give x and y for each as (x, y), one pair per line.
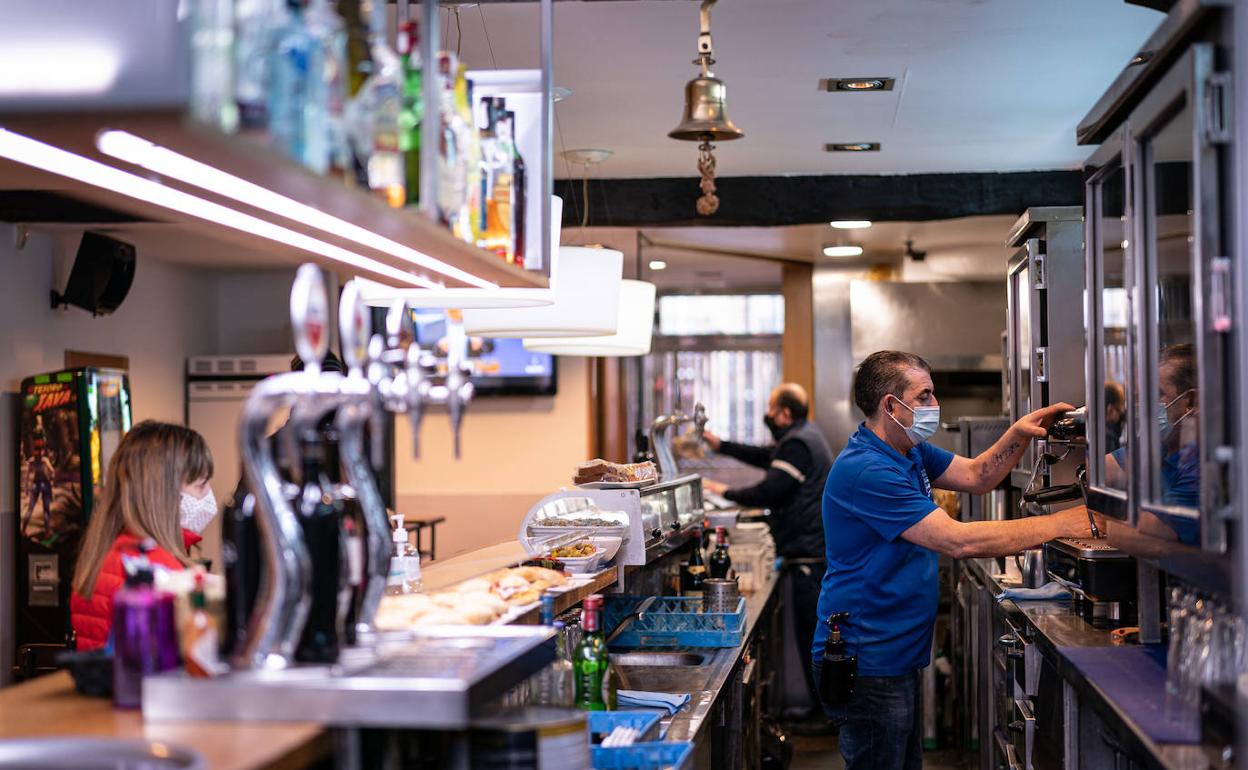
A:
(675, 621)
(601, 723)
(643, 756)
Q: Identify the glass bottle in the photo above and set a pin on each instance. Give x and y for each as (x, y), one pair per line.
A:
(518, 181)
(257, 24)
(212, 64)
(694, 571)
(325, 133)
(412, 114)
(468, 228)
(498, 165)
(452, 171)
(320, 519)
(590, 660)
(374, 115)
(356, 16)
(199, 636)
(720, 563)
(290, 71)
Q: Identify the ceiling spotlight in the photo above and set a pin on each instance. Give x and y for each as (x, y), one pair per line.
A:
(857, 84)
(842, 251)
(852, 147)
(851, 224)
(658, 264)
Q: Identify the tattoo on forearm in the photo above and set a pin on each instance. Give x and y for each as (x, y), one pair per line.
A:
(1000, 458)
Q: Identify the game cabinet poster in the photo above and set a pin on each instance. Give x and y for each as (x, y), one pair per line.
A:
(50, 477)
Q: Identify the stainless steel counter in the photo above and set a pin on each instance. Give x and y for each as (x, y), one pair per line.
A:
(1056, 625)
(706, 682)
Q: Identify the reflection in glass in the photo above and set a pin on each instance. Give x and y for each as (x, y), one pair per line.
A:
(1175, 456)
(1111, 227)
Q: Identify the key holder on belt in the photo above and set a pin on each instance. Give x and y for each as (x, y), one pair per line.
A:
(838, 670)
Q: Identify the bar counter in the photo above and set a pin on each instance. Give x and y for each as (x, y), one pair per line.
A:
(1058, 625)
(49, 706)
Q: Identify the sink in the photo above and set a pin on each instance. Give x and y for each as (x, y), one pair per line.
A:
(658, 659)
(95, 754)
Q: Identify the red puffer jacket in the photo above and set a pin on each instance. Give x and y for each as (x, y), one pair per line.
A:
(92, 618)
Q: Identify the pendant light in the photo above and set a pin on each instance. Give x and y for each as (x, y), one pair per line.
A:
(633, 333)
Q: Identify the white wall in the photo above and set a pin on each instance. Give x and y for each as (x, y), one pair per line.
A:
(161, 322)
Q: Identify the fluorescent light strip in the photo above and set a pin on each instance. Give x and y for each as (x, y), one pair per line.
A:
(45, 157)
(139, 151)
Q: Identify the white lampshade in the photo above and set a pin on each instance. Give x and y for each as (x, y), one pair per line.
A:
(380, 295)
(586, 286)
(634, 329)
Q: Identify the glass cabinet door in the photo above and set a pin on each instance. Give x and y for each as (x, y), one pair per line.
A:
(1110, 392)
(1022, 338)
(1181, 358)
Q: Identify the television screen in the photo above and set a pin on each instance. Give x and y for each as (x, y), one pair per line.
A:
(500, 367)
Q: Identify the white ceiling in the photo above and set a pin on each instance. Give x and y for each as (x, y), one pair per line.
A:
(982, 85)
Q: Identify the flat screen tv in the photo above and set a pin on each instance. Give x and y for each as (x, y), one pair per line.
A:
(501, 367)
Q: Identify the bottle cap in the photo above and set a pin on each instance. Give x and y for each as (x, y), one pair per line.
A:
(592, 602)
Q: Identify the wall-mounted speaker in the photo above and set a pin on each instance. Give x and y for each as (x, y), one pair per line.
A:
(101, 276)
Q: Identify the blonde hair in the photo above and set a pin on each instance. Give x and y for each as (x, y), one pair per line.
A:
(142, 494)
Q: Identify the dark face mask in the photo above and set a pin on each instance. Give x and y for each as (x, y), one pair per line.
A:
(775, 429)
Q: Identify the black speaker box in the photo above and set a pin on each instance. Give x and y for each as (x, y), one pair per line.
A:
(101, 277)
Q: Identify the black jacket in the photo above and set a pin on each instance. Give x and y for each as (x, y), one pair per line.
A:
(797, 468)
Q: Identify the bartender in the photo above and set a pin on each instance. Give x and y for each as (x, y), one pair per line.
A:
(885, 537)
(797, 466)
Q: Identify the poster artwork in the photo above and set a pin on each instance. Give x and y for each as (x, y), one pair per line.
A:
(50, 483)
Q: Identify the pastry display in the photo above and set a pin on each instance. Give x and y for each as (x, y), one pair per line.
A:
(473, 602)
(600, 470)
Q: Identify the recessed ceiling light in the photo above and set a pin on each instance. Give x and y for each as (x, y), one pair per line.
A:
(856, 84)
(842, 251)
(851, 224)
(852, 147)
(658, 264)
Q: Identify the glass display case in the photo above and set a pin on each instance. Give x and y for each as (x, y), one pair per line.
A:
(1044, 330)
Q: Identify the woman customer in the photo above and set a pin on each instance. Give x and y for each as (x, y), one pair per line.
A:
(156, 489)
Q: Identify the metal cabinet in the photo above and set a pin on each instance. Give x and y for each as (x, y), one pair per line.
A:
(1044, 329)
(1160, 272)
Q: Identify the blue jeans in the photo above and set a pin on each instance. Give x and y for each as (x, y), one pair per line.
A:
(881, 727)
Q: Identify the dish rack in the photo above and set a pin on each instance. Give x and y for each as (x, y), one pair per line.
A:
(675, 621)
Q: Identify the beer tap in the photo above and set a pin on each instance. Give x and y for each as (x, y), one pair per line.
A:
(459, 387)
(661, 437)
(282, 600)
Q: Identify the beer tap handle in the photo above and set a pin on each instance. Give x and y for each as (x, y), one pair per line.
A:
(417, 394)
(459, 388)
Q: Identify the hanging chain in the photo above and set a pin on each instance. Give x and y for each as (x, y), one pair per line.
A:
(708, 204)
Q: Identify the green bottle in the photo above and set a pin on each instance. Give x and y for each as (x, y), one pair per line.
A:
(413, 114)
(590, 662)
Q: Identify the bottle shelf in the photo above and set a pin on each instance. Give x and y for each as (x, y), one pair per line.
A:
(398, 242)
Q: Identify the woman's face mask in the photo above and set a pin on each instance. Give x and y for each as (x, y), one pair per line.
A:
(195, 513)
(926, 422)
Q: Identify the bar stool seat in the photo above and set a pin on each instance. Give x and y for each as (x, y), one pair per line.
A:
(419, 526)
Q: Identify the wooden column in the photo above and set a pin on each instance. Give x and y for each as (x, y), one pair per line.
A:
(609, 415)
(798, 347)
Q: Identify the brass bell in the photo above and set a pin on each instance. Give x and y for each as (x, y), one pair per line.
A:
(705, 118)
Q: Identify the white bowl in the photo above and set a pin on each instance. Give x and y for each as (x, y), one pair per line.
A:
(582, 564)
(610, 545)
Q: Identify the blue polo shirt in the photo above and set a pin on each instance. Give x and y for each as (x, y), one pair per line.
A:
(886, 583)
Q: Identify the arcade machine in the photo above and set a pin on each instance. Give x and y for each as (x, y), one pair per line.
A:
(71, 422)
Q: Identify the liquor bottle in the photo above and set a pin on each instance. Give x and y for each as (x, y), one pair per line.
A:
(199, 636)
(325, 135)
(256, 23)
(694, 571)
(501, 171)
(291, 82)
(320, 519)
(356, 15)
(412, 114)
(212, 64)
(590, 660)
(517, 194)
(468, 228)
(720, 565)
(374, 115)
(452, 174)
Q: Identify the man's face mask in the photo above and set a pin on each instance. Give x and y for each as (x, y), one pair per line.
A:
(1164, 426)
(926, 422)
(775, 429)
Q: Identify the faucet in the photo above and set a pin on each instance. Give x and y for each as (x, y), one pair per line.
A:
(661, 437)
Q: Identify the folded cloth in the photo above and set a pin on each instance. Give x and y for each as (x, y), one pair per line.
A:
(670, 701)
(1049, 591)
